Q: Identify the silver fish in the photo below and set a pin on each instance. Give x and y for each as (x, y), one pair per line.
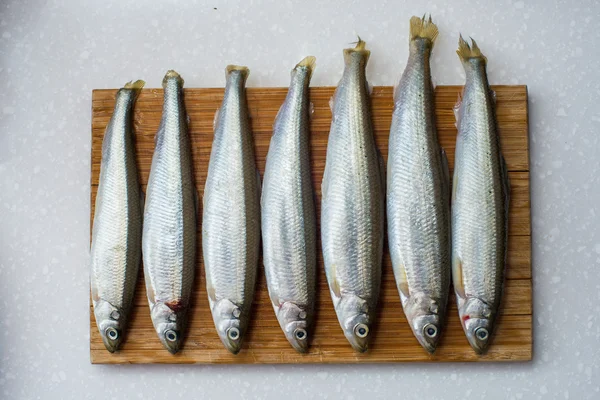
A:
(480, 196)
(352, 215)
(418, 195)
(288, 213)
(231, 221)
(116, 237)
(169, 239)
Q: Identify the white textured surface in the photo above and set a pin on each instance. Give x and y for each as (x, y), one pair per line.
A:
(53, 53)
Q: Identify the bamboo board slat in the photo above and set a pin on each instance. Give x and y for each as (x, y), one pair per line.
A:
(392, 339)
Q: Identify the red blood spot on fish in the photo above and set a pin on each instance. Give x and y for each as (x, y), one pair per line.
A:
(175, 305)
(465, 317)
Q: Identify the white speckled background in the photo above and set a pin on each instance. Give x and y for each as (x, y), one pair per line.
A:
(53, 53)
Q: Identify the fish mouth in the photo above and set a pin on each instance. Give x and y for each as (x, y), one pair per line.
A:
(427, 331)
(233, 347)
(111, 345)
(173, 349)
(232, 339)
(428, 346)
(478, 332)
(299, 340)
(361, 348)
(112, 338)
(480, 347)
(359, 337)
(171, 340)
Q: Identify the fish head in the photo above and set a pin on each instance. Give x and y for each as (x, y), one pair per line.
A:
(477, 319)
(294, 321)
(111, 324)
(353, 314)
(425, 322)
(226, 316)
(427, 329)
(169, 322)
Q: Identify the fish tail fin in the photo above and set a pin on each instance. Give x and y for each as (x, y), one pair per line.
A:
(466, 52)
(243, 71)
(172, 75)
(423, 28)
(310, 63)
(135, 86)
(361, 48)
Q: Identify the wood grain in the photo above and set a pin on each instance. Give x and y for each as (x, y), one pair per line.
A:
(392, 339)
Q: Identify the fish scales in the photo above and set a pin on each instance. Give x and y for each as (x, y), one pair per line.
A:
(117, 229)
(231, 222)
(418, 198)
(480, 204)
(352, 205)
(288, 213)
(169, 240)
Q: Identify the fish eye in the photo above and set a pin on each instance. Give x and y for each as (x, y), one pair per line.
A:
(233, 333)
(361, 330)
(300, 334)
(171, 335)
(481, 333)
(112, 333)
(430, 330)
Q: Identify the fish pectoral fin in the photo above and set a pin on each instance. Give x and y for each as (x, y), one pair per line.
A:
(324, 186)
(216, 118)
(275, 301)
(402, 281)
(142, 200)
(335, 288)
(210, 290)
(382, 172)
(335, 285)
(454, 184)
(369, 87)
(277, 118)
(94, 289)
(457, 277)
(196, 202)
(150, 294)
(456, 109)
(506, 178)
(446, 171)
(259, 186)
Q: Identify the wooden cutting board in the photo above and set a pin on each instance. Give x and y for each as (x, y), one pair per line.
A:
(265, 343)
